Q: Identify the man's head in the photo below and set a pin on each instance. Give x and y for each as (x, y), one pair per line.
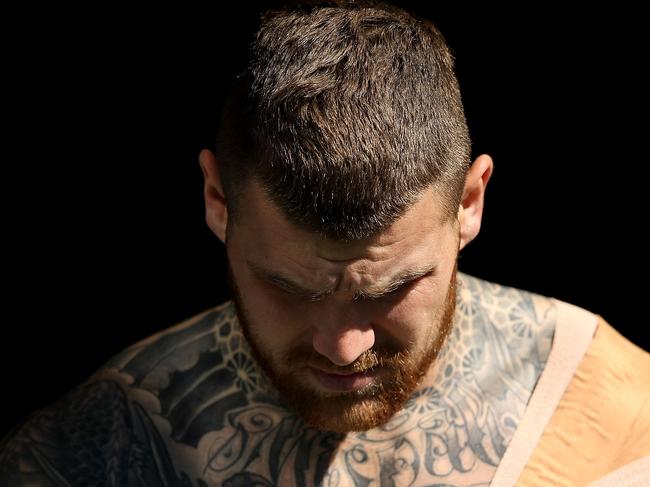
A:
(340, 188)
(345, 113)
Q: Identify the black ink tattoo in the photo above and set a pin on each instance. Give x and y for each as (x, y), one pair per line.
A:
(190, 407)
(93, 436)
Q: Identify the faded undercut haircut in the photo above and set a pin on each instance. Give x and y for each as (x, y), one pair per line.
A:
(345, 113)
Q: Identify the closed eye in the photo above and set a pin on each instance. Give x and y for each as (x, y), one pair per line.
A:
(394, 293)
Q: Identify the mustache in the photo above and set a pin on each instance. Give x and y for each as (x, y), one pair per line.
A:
(376, 357)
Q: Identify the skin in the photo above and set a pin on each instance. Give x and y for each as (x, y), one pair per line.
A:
(193, 406)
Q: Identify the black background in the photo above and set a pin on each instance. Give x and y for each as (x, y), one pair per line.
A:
(105, 237)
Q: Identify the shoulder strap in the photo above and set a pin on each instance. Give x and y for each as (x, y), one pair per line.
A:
(574, 331)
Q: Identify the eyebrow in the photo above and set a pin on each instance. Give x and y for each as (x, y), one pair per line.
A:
(395, 283)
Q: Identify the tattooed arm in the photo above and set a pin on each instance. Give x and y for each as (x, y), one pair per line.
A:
(134, 421)
(92, 436)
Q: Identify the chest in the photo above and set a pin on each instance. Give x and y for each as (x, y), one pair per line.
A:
(413, 449)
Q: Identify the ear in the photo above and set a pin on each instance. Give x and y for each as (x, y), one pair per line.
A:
(470, 211)
(216, 212)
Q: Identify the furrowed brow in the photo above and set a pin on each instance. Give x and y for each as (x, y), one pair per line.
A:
(401, 280)
(286, 283)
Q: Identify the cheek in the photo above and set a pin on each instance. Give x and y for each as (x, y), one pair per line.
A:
(274, 318)
(416, 315)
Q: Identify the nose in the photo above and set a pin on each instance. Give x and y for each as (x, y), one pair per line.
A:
(344, 339)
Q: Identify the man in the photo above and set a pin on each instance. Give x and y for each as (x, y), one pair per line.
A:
(353, 351)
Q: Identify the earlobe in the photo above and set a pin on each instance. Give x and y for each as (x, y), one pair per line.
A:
(216, 211)
(470, 212)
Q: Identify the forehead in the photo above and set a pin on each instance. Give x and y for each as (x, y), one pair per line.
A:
(264, 231)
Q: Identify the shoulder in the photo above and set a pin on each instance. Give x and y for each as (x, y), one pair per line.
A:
(492, 295)
(602, 421)
(190, 375)
(107, 429)
(171, 345)
(94, 435)
(614, 376)
(520, 315)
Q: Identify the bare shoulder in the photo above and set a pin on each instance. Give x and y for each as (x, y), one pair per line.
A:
(94, 435)
(616, 373)
(171, 345)
(104, 431)
(507, 307)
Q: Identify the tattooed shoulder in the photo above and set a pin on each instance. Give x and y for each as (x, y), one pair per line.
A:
(521, 320)
(105, 431)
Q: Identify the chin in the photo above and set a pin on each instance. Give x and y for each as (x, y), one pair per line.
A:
(365, 415)
(360, 410)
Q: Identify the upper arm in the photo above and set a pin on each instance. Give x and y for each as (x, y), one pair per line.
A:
(103, 432)
(75, 441)
(95, 435)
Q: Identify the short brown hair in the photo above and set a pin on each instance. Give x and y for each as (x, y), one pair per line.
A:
(346, 111)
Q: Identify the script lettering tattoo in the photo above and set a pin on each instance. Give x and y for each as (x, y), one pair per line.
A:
(190, 407)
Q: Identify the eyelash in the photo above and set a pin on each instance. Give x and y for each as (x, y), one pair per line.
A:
(404, 287)
(395, 292)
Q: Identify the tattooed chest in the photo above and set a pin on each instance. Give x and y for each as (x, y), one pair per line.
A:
(265, 449)
(403, 464)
